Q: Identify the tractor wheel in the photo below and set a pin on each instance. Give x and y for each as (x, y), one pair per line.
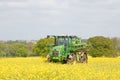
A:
(83, 58)
(48, 59)
(64, 61)
(72, 60)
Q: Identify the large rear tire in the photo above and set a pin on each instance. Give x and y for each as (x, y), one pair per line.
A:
(72, 59)
(83, 58)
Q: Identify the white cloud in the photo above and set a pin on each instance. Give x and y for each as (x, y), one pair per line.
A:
(1, 3)
(14, 4)
(17, 4)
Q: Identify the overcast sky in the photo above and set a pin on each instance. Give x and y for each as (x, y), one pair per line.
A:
(33, 19)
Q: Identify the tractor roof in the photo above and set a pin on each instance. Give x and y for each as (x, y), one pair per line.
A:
(62, 36)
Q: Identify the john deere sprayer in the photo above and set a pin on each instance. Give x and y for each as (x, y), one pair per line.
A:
(67, 49)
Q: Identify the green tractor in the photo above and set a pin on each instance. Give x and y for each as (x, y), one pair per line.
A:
(68, 49)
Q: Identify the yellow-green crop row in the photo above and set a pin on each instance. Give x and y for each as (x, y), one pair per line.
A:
(36, 68)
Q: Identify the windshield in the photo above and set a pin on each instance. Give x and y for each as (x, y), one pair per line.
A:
(62, 41)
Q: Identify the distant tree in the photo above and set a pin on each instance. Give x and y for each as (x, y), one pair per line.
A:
(18, 50)
(2, 49)
(100, 46)
(42, 46)
(30, 48)
(116, 46)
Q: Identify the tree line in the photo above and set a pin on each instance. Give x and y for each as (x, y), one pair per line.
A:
(16, 48)
(99, 46)
(103, 46)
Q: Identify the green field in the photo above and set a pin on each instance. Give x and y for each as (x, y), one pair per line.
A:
(36, 68)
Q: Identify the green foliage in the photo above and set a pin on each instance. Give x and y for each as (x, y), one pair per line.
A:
(42, 48)
(18, 49)
(116, 46)
(15, 48)
(100, 46)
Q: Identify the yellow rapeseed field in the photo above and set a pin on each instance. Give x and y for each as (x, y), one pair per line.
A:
(36, 68)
